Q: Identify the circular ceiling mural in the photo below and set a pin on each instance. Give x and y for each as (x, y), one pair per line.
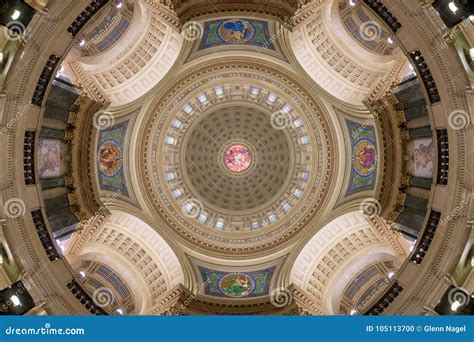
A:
(237, 158)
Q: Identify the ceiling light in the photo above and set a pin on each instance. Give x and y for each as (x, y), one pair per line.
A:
(119, 5)
(1, 57)
(15, 300)
(16, 14)
(119, 311)
(455, 306)
(353, 312)
(471, 53)
(82, 43)
(390, 275)
(452, 6)
(82, 273)
(390, 40)
(352, 2)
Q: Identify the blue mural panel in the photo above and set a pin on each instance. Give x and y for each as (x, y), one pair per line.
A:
(236, 31)
(363, 157)
(237, 284)
(110, 159)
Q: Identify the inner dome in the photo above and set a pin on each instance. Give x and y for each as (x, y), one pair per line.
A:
(258, 154)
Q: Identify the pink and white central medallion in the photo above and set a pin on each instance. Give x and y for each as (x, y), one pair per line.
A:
(237, 158)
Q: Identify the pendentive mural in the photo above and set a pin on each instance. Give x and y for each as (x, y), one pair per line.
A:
(49, 158)
(110, 159)
(363, 157)
(236, 31)
(423, 158)
(237, 284)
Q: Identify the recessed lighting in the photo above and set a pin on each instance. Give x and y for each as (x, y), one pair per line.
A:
(452, 6)
(352, 2)
(119, 311)
(390, 40)
(353, 312)
(16, 14)
(82, 42)
(15, 300)
(82, 273)
(119, 5)
(455, 306)
(390, 275)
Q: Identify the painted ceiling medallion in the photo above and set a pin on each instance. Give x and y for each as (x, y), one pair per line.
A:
(238, 158)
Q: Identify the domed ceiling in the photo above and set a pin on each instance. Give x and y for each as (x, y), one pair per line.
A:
(235, 151)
